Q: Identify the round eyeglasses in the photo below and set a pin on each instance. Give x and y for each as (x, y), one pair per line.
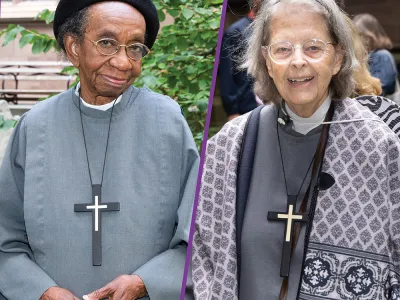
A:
(282, 52)
(135, 51)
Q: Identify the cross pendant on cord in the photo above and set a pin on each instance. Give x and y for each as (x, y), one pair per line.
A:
(290, 217)
(96, 208)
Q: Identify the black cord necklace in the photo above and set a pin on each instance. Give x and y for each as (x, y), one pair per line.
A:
(96, 207)
(290, 216)
(84, 141)
(283, 165)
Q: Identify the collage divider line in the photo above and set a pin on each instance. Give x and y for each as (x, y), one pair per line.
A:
(203, 148)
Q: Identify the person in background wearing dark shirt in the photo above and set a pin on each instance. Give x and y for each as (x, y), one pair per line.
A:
(236, 86)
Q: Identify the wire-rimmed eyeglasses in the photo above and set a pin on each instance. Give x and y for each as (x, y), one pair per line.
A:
(107, 46)
(282, 52)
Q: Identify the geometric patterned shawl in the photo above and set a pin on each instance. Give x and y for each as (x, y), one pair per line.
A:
(353, 241)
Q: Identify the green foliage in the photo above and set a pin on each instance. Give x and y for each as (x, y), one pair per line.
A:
(182, 59)
(46, 15)
(40, 42)
(181, 62)
(6, 124)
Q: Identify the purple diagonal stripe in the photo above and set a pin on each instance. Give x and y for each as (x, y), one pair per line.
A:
(203, 147)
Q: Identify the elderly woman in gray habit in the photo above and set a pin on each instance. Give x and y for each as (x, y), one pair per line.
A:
(88, 205)
(301, 198)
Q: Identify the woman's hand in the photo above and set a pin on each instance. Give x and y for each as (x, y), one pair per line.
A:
(124, 287)
(57, 293)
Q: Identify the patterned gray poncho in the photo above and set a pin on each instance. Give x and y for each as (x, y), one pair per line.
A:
(354, 242)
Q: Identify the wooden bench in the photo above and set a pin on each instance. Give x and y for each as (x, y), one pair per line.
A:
(44, 71)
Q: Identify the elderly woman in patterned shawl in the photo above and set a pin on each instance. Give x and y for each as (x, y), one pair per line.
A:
(300, 199)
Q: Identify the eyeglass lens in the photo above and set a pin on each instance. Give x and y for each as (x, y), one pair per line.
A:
(282, 51)
(135, 51)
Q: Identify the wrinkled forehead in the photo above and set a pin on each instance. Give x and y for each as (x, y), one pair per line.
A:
(115, 17)
(299, 7)
(308, 5)
(289, 13)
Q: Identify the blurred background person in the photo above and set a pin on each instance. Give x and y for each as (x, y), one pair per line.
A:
(365, 83)
(381, 62)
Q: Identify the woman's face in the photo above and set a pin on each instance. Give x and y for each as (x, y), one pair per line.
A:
(109, 76)
(302, 84)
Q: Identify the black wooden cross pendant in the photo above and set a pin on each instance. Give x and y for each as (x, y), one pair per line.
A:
(289, 217)
(96, 207)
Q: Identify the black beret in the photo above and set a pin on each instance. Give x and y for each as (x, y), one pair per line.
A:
(67, 8)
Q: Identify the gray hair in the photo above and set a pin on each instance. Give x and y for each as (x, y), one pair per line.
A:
(75, 25)
(342, 84)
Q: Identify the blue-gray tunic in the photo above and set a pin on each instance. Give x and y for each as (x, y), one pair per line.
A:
(151, 169)
(262, 240)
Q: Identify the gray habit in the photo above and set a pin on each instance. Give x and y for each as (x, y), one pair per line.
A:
(262, 240)
(151, 170)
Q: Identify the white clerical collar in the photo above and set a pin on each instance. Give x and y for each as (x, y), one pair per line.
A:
(103, 107)
(305, 125)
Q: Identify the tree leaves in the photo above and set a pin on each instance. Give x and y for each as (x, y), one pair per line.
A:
(40, 42)
(182, 59)
(214, 24)
(46, 15)
(187, 13)
(6, 124)
(26, 39)
(38, 46)
(50, 44)
(213, 2)
(173, 12)
(182, 43)
(50, 17)
(11, 33)
(70, 71)
(184, 55)
(150, 81)
(161, 15)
